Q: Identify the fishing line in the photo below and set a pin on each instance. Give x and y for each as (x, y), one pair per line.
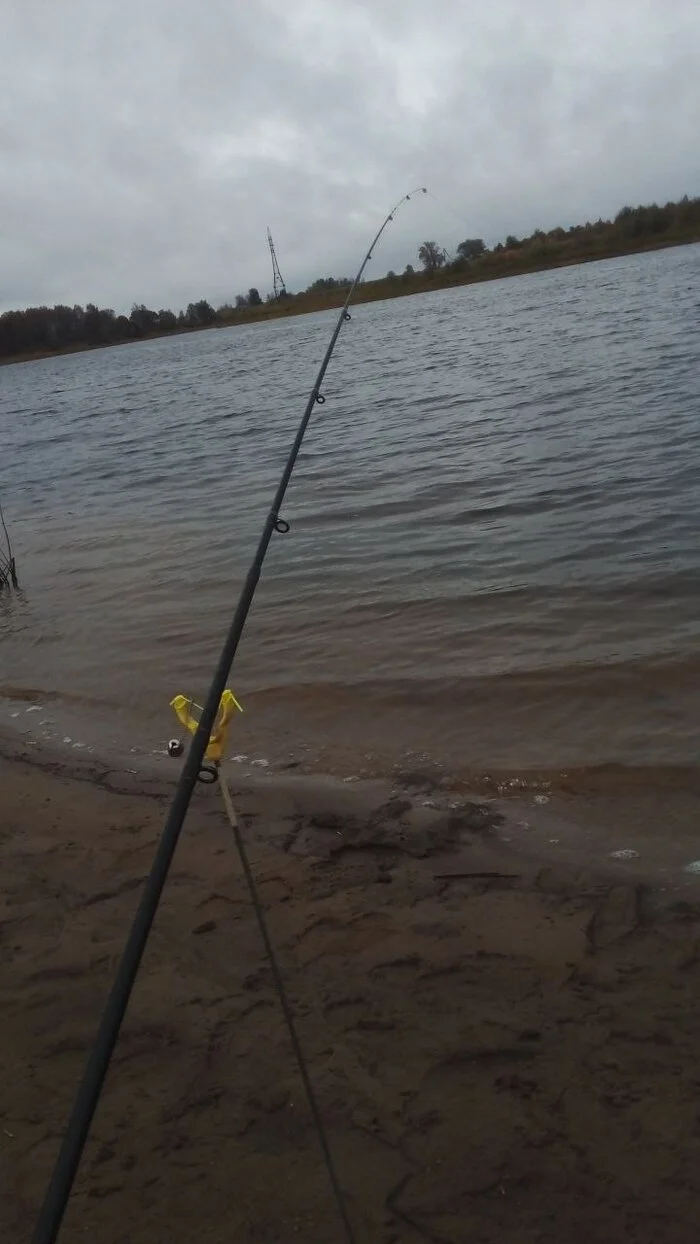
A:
(445, 207)
(60, 1185)
(287, 1011)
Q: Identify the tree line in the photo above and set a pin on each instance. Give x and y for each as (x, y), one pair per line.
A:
(45, 330)
(39, 330)
(631, 226)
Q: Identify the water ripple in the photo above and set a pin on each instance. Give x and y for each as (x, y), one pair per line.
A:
(498, 503)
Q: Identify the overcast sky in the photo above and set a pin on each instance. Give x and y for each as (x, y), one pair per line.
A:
(145, 146)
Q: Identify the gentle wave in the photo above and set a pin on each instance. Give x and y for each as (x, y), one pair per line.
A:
(494, 524)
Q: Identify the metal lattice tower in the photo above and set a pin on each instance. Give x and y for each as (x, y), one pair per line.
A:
(279, 286)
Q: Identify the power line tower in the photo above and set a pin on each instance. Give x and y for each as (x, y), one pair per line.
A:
(279, 286)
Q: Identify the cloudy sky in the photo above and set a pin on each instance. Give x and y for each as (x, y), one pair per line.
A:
(145, 145)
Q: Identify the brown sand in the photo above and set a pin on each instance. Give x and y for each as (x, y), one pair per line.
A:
(503, 1058)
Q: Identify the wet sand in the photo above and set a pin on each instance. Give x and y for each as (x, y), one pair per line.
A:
(504, 1048)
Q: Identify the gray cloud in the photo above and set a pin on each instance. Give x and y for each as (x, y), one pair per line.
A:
(144, 147)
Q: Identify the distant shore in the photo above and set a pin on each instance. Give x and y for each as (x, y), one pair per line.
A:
(493, 266)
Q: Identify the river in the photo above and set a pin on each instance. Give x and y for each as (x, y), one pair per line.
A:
(493, 562)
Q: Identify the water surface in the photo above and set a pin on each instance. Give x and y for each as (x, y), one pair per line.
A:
(494, 557)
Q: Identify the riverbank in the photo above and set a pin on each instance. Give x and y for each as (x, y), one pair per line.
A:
(494, 266)
(504, 1048)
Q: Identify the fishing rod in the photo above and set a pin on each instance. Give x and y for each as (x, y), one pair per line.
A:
(60, 1185)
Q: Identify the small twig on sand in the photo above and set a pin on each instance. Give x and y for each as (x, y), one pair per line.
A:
(481, 876)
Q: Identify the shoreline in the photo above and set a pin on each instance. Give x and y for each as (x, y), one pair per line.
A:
(370, 291)
(503, 1047)
(580, 816)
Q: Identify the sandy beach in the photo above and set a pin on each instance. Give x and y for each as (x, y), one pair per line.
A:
(504, 1048)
